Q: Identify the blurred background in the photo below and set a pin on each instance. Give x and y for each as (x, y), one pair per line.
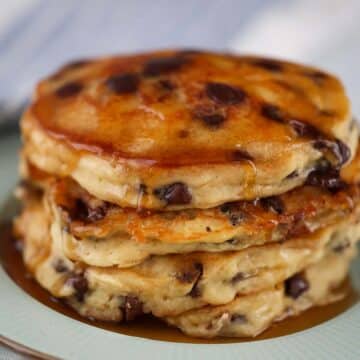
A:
(36, 36)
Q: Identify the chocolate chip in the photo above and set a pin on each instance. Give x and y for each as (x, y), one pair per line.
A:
(292, 175)
(208, 229)
(272, 112)
(268, 64)
(143, 189)
(273, 203)
(60, 266)
(183, 134)
(80, 285)
(239, 155)
(213, 120)
(239, 277)
(123, 83)
(209, 117)
(328, 178)
(337, 148)
(296, 285)
(224, 94)
(342, 246)
(233, 212)
(155, 67)
(238, 319)
(190, 275)
(305, 130)
(232, 241)
(132, 308)
(174, 194)
(85, 213)
(225, 208)
(97, 213)
(69, 89)
(317, 76)
(195, 291)
(166, 84)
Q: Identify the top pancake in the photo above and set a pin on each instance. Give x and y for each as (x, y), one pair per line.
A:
(180, 129)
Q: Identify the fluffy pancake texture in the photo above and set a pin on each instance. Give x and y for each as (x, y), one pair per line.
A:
(250, 315)
(244, 306)
(184, 129)
(170, 285)
(99, 234)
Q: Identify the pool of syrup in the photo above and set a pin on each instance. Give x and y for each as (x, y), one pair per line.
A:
(149, 327)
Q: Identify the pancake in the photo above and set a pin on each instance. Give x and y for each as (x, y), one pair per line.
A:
(102, 236)
(93, 295)
(187, 129)
(170, 285)
(250, 315)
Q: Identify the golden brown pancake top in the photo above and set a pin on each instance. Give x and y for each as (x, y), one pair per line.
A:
(189, 107)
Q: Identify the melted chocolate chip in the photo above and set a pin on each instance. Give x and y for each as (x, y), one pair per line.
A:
(190, 275)
(326, 177)
(272, 112)
(296, 285)
(156, 67)
(239, 155)
(208, 229)
(87, 214)
(213, 120)
(174, 194)
(60, 266)
(166, 84)
(234, 213)
(271, 65)
(80, 285)
(273, 203)
(238, 318)
(225, 94)
(337, 148)
(303, 129)
(69, 89)
(123, 83)
(132, 308)
(195, 291)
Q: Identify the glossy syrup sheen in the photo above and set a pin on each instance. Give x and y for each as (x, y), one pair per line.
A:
(207, 104)
(149, 327)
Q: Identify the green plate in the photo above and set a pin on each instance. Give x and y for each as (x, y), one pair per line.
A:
(25, 321)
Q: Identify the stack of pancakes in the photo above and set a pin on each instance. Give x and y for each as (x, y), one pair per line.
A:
(216, 192)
